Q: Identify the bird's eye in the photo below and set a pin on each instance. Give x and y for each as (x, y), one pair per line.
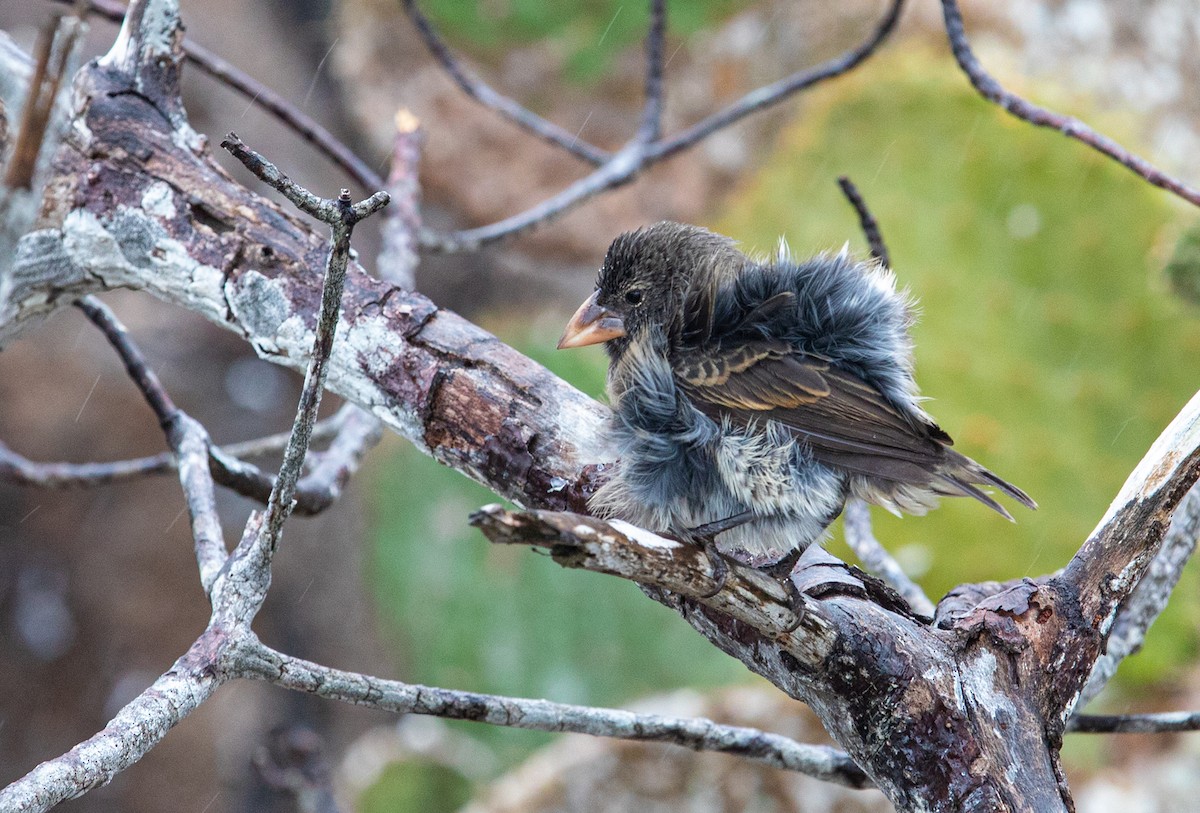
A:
(633, 297)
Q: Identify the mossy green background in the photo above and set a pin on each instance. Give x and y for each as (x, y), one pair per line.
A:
(1049, 344)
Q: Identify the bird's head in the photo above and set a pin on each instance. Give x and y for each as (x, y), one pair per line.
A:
(643, 281)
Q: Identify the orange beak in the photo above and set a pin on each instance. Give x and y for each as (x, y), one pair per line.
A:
(591, 324)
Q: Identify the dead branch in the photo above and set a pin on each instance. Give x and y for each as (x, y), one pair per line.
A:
(1069, 126)
(648, 146)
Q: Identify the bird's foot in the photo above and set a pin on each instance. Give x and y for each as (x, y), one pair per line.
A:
(796, 604)
(720, 566)
(709, 530)
(706, 537)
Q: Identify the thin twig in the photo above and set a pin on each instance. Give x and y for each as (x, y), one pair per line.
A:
(768, 95)
(698, 734)
(650, 129)
(187, 439)
(135, 363)
(866, 220)
(341, 215)
(624, 165)
(474, 87)
(398, 258)
(55, 49)
(856, 520)
(1069, 126)
(1134, 723)
(20, 470)
(262, 96)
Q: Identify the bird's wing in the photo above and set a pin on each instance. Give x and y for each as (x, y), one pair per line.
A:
(844, 420)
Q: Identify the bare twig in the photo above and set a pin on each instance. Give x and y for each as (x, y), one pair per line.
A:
(402, 221)
(764, 97)
(474, 87)
(856, 520)
(1135, 723)
(650, 129)
(697, 734)
(624, 165)
(54, 56)
(40, 129)
(135, 363)
(360, 431)
(866, 220)
(313, 492)
(185, 436)
(1069, 126)
(341, 215)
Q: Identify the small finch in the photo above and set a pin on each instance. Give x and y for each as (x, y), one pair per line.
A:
(751, 399)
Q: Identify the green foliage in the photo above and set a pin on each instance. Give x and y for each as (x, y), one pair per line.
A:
(587, 33)
(1049, 355)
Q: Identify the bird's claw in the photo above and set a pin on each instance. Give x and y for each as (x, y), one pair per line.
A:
(720, 566)
(796, 604)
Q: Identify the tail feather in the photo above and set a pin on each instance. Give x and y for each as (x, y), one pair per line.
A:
(966, 475)
(966, 489)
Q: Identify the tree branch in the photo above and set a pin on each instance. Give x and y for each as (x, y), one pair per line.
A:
(136, 728)
(856, 519)
(769, 95)
(262, 663)
(398, 259)
(1119, 552)
(1135, 723)
(1147, 601)
(474, 87)
(627, 163)
(866, 221)
(1069, 126)
(650, 128)
(341, 215)
(185, 436)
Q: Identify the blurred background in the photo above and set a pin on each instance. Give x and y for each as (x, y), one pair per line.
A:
(1059, 335)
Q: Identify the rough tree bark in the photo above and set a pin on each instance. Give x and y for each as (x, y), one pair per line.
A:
(962, 712)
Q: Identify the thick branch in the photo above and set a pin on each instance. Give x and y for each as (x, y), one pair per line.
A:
(857, 521)
(620, 549)
(1117, 555)
(1150, 597)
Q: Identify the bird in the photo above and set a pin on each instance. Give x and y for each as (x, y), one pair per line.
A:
(751, 398)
